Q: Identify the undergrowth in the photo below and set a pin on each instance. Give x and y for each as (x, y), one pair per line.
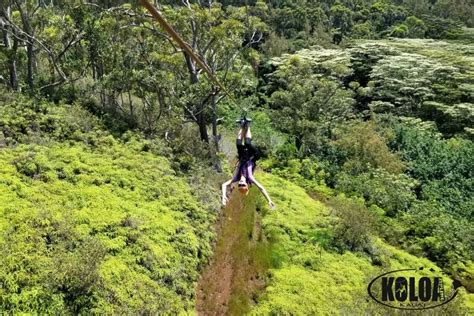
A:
(94, 223)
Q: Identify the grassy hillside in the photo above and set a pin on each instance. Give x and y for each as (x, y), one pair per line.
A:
(312, 277)
(388, 122)
(94, 223)
(105, 228)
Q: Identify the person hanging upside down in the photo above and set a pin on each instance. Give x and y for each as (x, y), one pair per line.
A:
(248, 155)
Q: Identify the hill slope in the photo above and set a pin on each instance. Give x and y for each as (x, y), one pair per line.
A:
(310, 278)
(106, 227)
(96, 224)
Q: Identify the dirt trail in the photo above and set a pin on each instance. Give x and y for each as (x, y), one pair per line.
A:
(235, 275)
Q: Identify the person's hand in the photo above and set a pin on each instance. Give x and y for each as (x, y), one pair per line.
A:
(271, 205)
(224, 201)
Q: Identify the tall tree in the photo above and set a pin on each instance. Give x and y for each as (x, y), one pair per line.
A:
(10, 43)
(305, 103)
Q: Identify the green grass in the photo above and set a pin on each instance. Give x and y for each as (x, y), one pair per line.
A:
(104, 229)
(312, 280)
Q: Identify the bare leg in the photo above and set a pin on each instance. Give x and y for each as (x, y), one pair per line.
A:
(249, 172)
(248, 134)
(240, 134)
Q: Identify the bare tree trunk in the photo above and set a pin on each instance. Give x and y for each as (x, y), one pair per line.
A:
(12, 59)
(202, 126)
(102, 98)
(130, 104)
(12, 49)
(93, 72)
(13, 69)
(215, 136)
(30, 54)
(30, 61)
(200, 107)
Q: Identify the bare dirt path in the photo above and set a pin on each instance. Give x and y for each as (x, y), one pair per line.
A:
(231, 282)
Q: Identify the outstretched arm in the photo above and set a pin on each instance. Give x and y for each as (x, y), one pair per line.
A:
(265, 194)
(224, 191)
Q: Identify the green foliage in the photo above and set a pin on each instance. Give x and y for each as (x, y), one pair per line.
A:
(438, 182)
(354, 226)
(427, 82)
(412, 27)
(385, 14)
(106, 227)
(437, 27)
(321, 87)
(341, 18)
(307, 173)
(301, 229)
(94, 224)
(450, 117)
(300, 24)
(444, 168)
(275, 45)
(306, 23)
(307, 94)
(363, 30)
(396, 79)
(313, 280)
(436, 234)
(416, 27)
(443, 9)
(365, 149)
(27, 121)
(407, 83)
(393, 193)
(400, 31)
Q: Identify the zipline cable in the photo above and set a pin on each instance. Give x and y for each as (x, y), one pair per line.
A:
(185, 46)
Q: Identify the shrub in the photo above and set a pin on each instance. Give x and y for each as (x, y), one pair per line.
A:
(354, 226)
(393, 193)
(364, 149)
(24, 120)
(443, 167)
(416, 27)
(400, 30)
(441, 28)
(363, 30)
(432, 232)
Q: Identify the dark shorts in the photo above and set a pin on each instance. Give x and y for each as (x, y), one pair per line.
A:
(246, 169)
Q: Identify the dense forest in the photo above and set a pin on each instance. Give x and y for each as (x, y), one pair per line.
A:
(114, 143)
